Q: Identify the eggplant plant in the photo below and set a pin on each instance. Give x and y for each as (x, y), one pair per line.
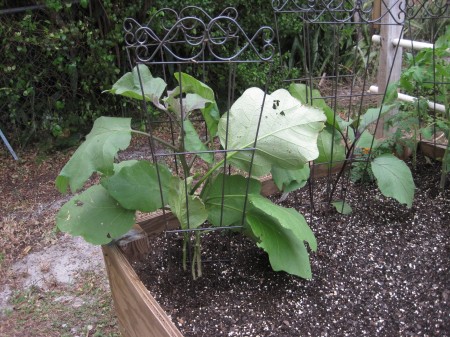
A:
(351, 142)
(260, 134)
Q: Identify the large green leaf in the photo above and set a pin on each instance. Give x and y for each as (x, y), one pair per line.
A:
(282, 233)
(95, 216)
(394, 178)
(303, 93)
(290, 180)
(366, 140)
(135, 185)
(230, 192)
(371, 116)
(96, 154)
(331, 149)
(189, 210)
(130, 86)
(287, 135)
(193, 143)
(190, 103)
(210, 112)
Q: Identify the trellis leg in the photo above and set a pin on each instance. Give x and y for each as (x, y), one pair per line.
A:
(390, 62)
(8, 145)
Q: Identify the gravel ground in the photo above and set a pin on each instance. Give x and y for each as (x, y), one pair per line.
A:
(381, 271)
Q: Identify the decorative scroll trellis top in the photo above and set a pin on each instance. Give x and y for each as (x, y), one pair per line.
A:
(360, 11)
(193, 36)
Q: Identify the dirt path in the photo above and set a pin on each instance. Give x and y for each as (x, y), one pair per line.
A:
(51, 284)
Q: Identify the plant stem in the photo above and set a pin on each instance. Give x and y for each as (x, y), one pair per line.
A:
(185, 241)
(198, 247)
(214, 168)
(196, 266)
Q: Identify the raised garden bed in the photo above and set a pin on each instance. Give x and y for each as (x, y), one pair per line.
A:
(383, 270)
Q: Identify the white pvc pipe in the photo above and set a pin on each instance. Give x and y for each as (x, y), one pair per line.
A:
(416, 45)
(412, 99)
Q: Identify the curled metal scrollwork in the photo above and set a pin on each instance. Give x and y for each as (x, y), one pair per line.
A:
(346, 11)
(193, 36)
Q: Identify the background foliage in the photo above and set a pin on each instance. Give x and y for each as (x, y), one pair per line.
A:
(59, 57)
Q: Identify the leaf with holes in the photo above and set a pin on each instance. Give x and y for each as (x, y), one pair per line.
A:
(95, 216)
(286, 137)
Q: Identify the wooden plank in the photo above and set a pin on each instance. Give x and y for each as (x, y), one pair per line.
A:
(134, 244)
(431, 150)
(390, 59)
(322, 170)
(157, 222)
(139, 314)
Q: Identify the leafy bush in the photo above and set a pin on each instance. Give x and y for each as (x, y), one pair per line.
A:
(57, 60)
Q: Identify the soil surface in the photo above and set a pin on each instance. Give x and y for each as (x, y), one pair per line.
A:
(381, 271)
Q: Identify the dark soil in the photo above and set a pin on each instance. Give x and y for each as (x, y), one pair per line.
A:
(381, 271)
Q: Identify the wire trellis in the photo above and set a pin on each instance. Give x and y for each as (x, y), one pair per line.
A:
(192, 40)
(343, 78)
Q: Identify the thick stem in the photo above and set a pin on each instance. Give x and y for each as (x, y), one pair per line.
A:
(185, 241)
(344, 166)
(198, 249)
(214, 168)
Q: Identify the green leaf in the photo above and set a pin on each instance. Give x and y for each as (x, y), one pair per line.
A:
(130, 86)
(282, 233)
(365, 141)
(427, 132)
(290, 180)
(287, 135)
(211, 112)
(394, 178)
(233, 188)
(135, 185)
(193, 143)
(303, 93)
(371, 116)
(342, 207)
(189, 210)
(95, 216)
(331, 149)
(190, 103)
(97, 153)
